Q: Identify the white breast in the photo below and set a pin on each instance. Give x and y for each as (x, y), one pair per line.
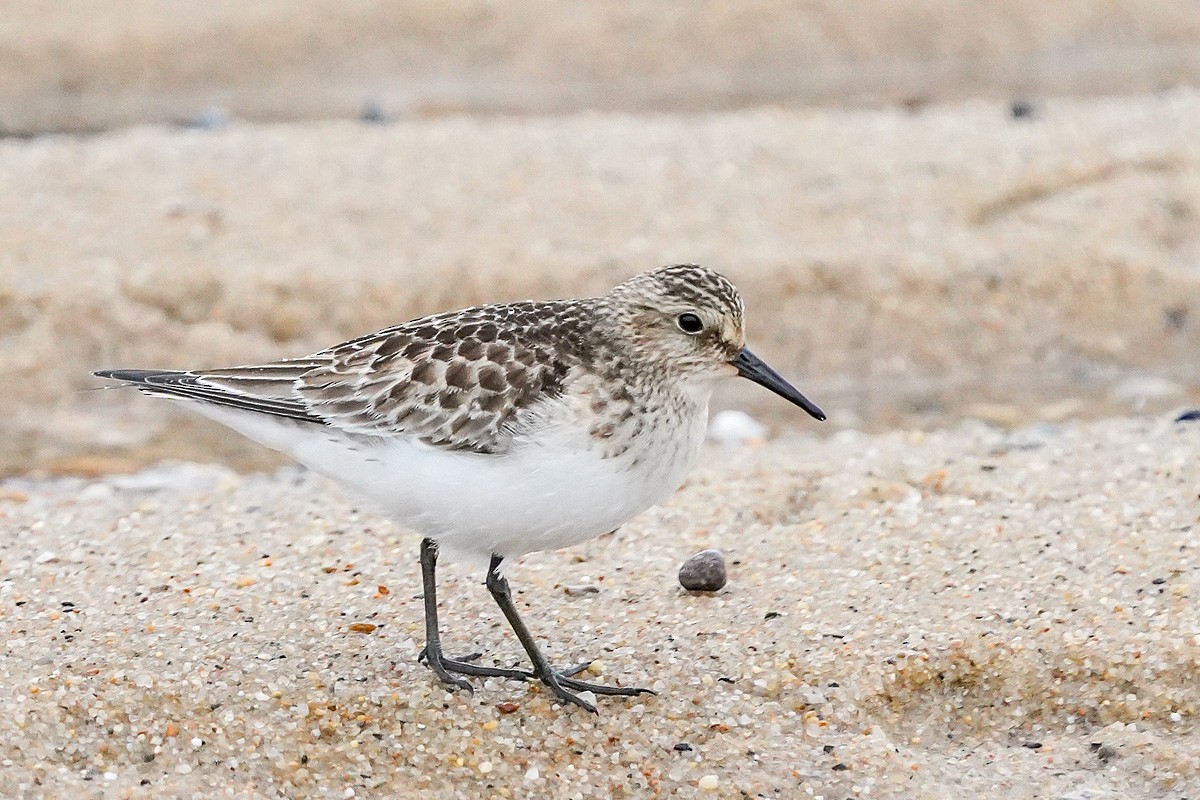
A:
(551, 490)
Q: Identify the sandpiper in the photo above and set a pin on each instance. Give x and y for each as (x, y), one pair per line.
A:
(503, 429)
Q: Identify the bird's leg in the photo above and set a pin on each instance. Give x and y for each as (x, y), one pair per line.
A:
(559, 682)
(432, 652)
(433, 643)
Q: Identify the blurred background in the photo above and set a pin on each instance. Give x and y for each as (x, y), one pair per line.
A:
(936, 210)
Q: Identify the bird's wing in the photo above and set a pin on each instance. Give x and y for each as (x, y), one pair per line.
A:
(455, 381)
(263, 389)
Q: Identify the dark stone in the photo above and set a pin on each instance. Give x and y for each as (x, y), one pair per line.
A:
(1021, 109)
(703, 572)
(372, 111)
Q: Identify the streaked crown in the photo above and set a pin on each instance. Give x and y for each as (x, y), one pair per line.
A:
(686, 316)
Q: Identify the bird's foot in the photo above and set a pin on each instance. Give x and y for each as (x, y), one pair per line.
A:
(564, 685)
(443, 666)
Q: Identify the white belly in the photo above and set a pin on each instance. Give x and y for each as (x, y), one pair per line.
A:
(543, 495)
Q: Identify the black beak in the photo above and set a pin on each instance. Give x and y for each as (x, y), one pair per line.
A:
(752, 367)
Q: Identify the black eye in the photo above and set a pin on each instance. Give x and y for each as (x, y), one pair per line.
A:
(690, 323)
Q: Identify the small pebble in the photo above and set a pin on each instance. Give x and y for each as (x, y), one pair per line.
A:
(362, 627)
(703, 572)
(1191, 415)
(1021, 109)
(372, 111)
(709, 782)
(736, 427)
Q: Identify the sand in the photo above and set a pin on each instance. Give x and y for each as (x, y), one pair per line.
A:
(959, 613)
(969, 231)
(904, 269)
(82, 65)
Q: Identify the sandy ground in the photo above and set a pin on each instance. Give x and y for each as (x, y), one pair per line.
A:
(84, 65)
(905, 269)
(963, 613)
(951, 609)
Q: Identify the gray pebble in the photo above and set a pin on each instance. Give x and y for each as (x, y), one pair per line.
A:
(372, 111)
(703, 572)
